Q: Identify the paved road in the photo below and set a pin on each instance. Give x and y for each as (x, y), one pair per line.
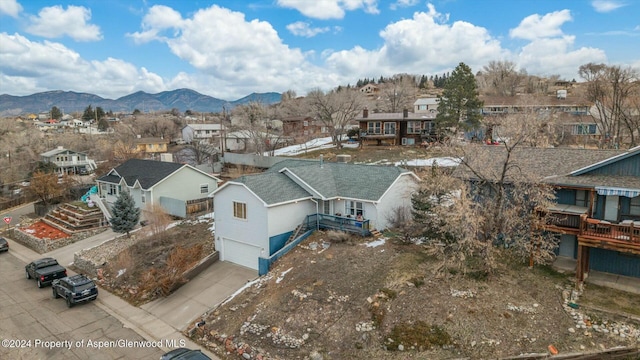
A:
(30, 317)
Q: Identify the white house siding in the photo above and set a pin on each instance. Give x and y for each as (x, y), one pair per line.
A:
(183, 184)
(228, 227)
(286, 217)
(398, 196)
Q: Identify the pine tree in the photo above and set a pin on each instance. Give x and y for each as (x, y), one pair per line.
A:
(460, 102)
(125, 214)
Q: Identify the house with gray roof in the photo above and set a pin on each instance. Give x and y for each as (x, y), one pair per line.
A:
(69, 162)
(170, 185)
(256, 214)
(597, 210)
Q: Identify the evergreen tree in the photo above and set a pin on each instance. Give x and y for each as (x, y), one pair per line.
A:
(125, 214)
(460, 103)
(56, 113)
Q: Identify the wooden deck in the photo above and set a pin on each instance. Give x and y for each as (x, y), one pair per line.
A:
(339, 223)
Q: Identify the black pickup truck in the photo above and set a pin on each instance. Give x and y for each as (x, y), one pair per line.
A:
(45, 270)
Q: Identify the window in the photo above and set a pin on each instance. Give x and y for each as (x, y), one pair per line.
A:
(143, 198)
(353, 208)
(305, 123)
(413, 127)
(581, 198)
(422, 107)
(204, 188)
(373, 127)
(389, 128)
(634, 206)
(113, 189)
(239, 210)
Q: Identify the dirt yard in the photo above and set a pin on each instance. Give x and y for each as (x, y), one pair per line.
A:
(360, 301)
(150, 265)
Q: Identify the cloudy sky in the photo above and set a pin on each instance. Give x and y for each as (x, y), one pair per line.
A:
(231, 48)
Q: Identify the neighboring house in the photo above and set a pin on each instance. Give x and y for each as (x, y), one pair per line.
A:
(208, 132)
(369, 89)
(301, 127)
(171, 185)
(151, 145)
(426, 105)
(68, 161)
(256, 214)
(405, 128)
(501, 105)
(244, 140)
(597, 215)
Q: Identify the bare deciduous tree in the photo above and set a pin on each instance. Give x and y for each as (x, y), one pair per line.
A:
(610, 89)
(398, 93)
(502, 77)
(46, 187)
(335, 110)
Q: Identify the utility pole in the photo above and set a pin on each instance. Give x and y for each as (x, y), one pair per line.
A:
(222, 119)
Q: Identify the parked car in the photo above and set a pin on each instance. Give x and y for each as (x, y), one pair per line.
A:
(45, 270)
(184, 354)
(75, 289)
(4, 244)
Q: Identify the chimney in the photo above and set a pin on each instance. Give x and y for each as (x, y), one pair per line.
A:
(405, 113)
(365, 113)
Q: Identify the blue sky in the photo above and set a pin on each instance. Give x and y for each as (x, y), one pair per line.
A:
(231, 48)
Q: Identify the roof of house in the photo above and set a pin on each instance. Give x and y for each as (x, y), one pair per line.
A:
(58, 150)
(204, 126)
(147, 172)
(550, 165)
(328, 179)
(427, 101)
(411, 116)
(151, 140)
(523, 101)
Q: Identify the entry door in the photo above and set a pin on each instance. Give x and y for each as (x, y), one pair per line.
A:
(611, 207)
(326, 207)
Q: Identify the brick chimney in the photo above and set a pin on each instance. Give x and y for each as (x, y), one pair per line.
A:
(365, 113)
(405, 113)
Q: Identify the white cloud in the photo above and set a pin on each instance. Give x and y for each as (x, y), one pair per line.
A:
(536, 27)
(421, 45)
(30, 67)
(301, 28)
(54, 22)
(554, 56)
(329, 9)
(158, 19)
(403, 3)
(10, 7)
(604, 6)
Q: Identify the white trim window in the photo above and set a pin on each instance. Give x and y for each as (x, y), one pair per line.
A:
(390, 128)
(204, 188)
(374, 127)
(354, 208)
(143, 197)
(240, 210)
(413, 127)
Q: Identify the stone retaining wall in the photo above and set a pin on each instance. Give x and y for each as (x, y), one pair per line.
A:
(45, 245)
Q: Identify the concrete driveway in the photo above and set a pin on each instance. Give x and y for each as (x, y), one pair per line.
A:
(210, 288)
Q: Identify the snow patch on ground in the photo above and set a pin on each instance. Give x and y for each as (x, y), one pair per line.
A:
(376, 243)
(282, 274)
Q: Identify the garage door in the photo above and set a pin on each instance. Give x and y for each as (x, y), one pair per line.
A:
(240, 253)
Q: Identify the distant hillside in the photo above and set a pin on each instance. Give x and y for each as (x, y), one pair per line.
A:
(181, 99)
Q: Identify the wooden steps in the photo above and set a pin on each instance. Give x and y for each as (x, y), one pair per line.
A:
(375, 233)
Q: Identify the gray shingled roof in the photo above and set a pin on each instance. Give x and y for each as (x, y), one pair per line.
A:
(590, 181)
(544, 162)
(147, 172)
(364, 182)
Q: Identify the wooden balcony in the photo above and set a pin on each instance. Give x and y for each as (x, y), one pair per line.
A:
(567, 219)
(624, 236)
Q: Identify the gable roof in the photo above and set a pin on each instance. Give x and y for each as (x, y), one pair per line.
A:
(557, 166)
(57, 151)
(291, 180)
(146, 172)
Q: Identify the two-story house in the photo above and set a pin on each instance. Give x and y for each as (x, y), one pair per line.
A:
(68, 161)
(303, 127)
(405, 128)
(197, 132)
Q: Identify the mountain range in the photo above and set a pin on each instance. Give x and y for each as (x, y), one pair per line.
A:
(181, 99)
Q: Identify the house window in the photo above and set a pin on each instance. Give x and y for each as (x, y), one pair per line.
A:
(389, 128)
(204, 188)
(373, 127)
(353, 208)
(113, 189)
(239, 210)
(581, 198)
(634, 206)
(413, 127)
(305, 123)
(422, 107)
(326, 205)
(143, 198)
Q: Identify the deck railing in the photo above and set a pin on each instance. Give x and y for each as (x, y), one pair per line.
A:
(341, 223)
